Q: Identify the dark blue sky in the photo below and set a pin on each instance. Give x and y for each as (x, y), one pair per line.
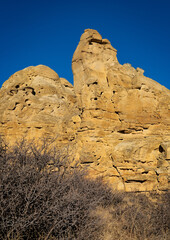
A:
(47, 32)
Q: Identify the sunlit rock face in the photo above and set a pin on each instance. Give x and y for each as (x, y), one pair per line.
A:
(115, 121)
(35, 102)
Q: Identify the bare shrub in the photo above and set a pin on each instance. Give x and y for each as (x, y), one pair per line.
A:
(138, 217)
(38, 202)
(42, 197)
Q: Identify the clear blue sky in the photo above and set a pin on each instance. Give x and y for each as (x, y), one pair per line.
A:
(47, 32)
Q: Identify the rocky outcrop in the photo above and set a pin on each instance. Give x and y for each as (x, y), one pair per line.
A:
(36, 103)
(114, 120)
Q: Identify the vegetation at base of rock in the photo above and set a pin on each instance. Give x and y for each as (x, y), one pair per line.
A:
(41, 197)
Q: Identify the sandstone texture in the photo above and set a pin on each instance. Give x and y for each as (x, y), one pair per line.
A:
(115, 121)
(35, 102)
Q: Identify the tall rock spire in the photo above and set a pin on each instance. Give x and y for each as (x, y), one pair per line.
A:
(91, 62)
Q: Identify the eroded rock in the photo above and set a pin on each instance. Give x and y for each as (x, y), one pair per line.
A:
(115, 120)
(36, 102)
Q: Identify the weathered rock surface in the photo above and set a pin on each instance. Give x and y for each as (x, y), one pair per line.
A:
(115, 120)
(35, 102)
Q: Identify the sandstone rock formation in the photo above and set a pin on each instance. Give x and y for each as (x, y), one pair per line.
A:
(34, 102)
(114, 120)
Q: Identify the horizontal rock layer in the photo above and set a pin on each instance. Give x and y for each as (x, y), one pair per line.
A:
(114, 120)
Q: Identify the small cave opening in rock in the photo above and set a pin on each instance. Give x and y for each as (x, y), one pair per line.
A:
(108, 82)
(136, 180)
(38, 127)
(17, 86)
(95, 40)
(94, 83)
(124, 131)
(29, 89)
(161, 149)
(139, 88)
(95, 98)
(33, 92)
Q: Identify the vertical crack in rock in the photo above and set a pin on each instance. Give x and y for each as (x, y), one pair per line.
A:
(118, 172)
